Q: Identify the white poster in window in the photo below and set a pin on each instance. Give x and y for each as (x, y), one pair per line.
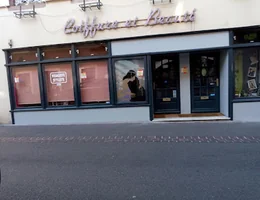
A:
(83, 75)
(252, 84)
(16, 80)
(140, 73)
(58, 78)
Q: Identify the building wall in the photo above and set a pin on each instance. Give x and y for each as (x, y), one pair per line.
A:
(246, 112)
(106, 115)
(224, 83)
(170, 43)
(48, 26)
(185, 84)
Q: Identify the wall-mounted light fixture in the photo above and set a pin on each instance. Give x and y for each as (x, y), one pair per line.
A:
(91, 4)
(160, 1)
(31, 13)
(10, 43)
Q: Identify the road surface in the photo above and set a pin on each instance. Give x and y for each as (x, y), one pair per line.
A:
(165, 161)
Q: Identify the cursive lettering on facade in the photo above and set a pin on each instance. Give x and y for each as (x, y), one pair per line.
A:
(89, 28)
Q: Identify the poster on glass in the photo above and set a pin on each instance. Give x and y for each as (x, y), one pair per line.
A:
(130, 80)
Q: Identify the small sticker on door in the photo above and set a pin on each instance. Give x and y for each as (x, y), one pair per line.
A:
(174, 93)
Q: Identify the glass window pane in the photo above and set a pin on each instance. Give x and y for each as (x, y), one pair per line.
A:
(26, 86)
(23, 56)
(94, 85)
(196, 91)
(130, 80)
(59, 84)
(92, 50)
(56, 52)
(246, 35)
(247, 73)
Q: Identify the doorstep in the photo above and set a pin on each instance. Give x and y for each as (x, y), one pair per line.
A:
(180, 119)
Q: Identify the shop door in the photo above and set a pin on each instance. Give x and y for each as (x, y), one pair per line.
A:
(204, 82)
(166, 84)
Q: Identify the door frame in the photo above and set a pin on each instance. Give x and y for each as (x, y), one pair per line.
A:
(213, 52)
(152, 96)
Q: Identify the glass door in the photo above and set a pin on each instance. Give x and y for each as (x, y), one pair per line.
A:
(166, 84)
(204, 82)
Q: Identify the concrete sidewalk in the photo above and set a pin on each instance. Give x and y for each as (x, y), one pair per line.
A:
(226, 128)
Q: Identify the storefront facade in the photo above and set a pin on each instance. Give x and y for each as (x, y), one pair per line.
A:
(176, 58)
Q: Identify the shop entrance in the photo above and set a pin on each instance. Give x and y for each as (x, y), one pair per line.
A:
(166, 92)
(205, 82)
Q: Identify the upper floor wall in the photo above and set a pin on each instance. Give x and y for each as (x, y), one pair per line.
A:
(48, 25)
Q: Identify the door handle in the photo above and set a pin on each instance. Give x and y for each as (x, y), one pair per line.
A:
(217, 82)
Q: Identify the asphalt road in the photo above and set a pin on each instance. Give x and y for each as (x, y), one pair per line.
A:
(182, 161)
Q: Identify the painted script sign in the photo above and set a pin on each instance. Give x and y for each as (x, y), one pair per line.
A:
(89, 29)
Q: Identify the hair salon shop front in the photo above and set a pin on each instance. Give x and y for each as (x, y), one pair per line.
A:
(210, 75)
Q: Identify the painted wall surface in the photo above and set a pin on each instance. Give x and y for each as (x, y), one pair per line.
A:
(246, 112)
(185, 84)
(109, 115)
(48, 26)
(170, 43)
(224, 83)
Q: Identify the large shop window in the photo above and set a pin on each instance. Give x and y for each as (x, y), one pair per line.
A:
(26, 86)
(247, 74)
(92, 50)
(130, 80)
(59, 84)
(23, 56)
(94, 84)
(56, 52)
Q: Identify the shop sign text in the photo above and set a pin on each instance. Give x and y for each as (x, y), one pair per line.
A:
(58, 78)
(89, 29)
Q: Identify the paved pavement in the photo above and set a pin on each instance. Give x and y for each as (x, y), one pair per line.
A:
(182, 161)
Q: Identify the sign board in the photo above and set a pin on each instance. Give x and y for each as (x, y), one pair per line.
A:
(57, 78)
(89, 27)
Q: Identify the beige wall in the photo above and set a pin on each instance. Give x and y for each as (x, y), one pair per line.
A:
(47, 27)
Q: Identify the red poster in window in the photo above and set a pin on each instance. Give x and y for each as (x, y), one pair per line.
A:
(94, 82)
(59, 83)
(26, 85)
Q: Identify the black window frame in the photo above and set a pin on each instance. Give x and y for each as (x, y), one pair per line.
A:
(74, 60)
(243, 45)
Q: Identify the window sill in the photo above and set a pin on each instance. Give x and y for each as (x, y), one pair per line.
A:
(245, 100)
(79, 108)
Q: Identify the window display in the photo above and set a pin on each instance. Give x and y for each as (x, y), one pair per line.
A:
(94, 85)
(247, 75)
(26, 86)
(59, 84)
(130, 80)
